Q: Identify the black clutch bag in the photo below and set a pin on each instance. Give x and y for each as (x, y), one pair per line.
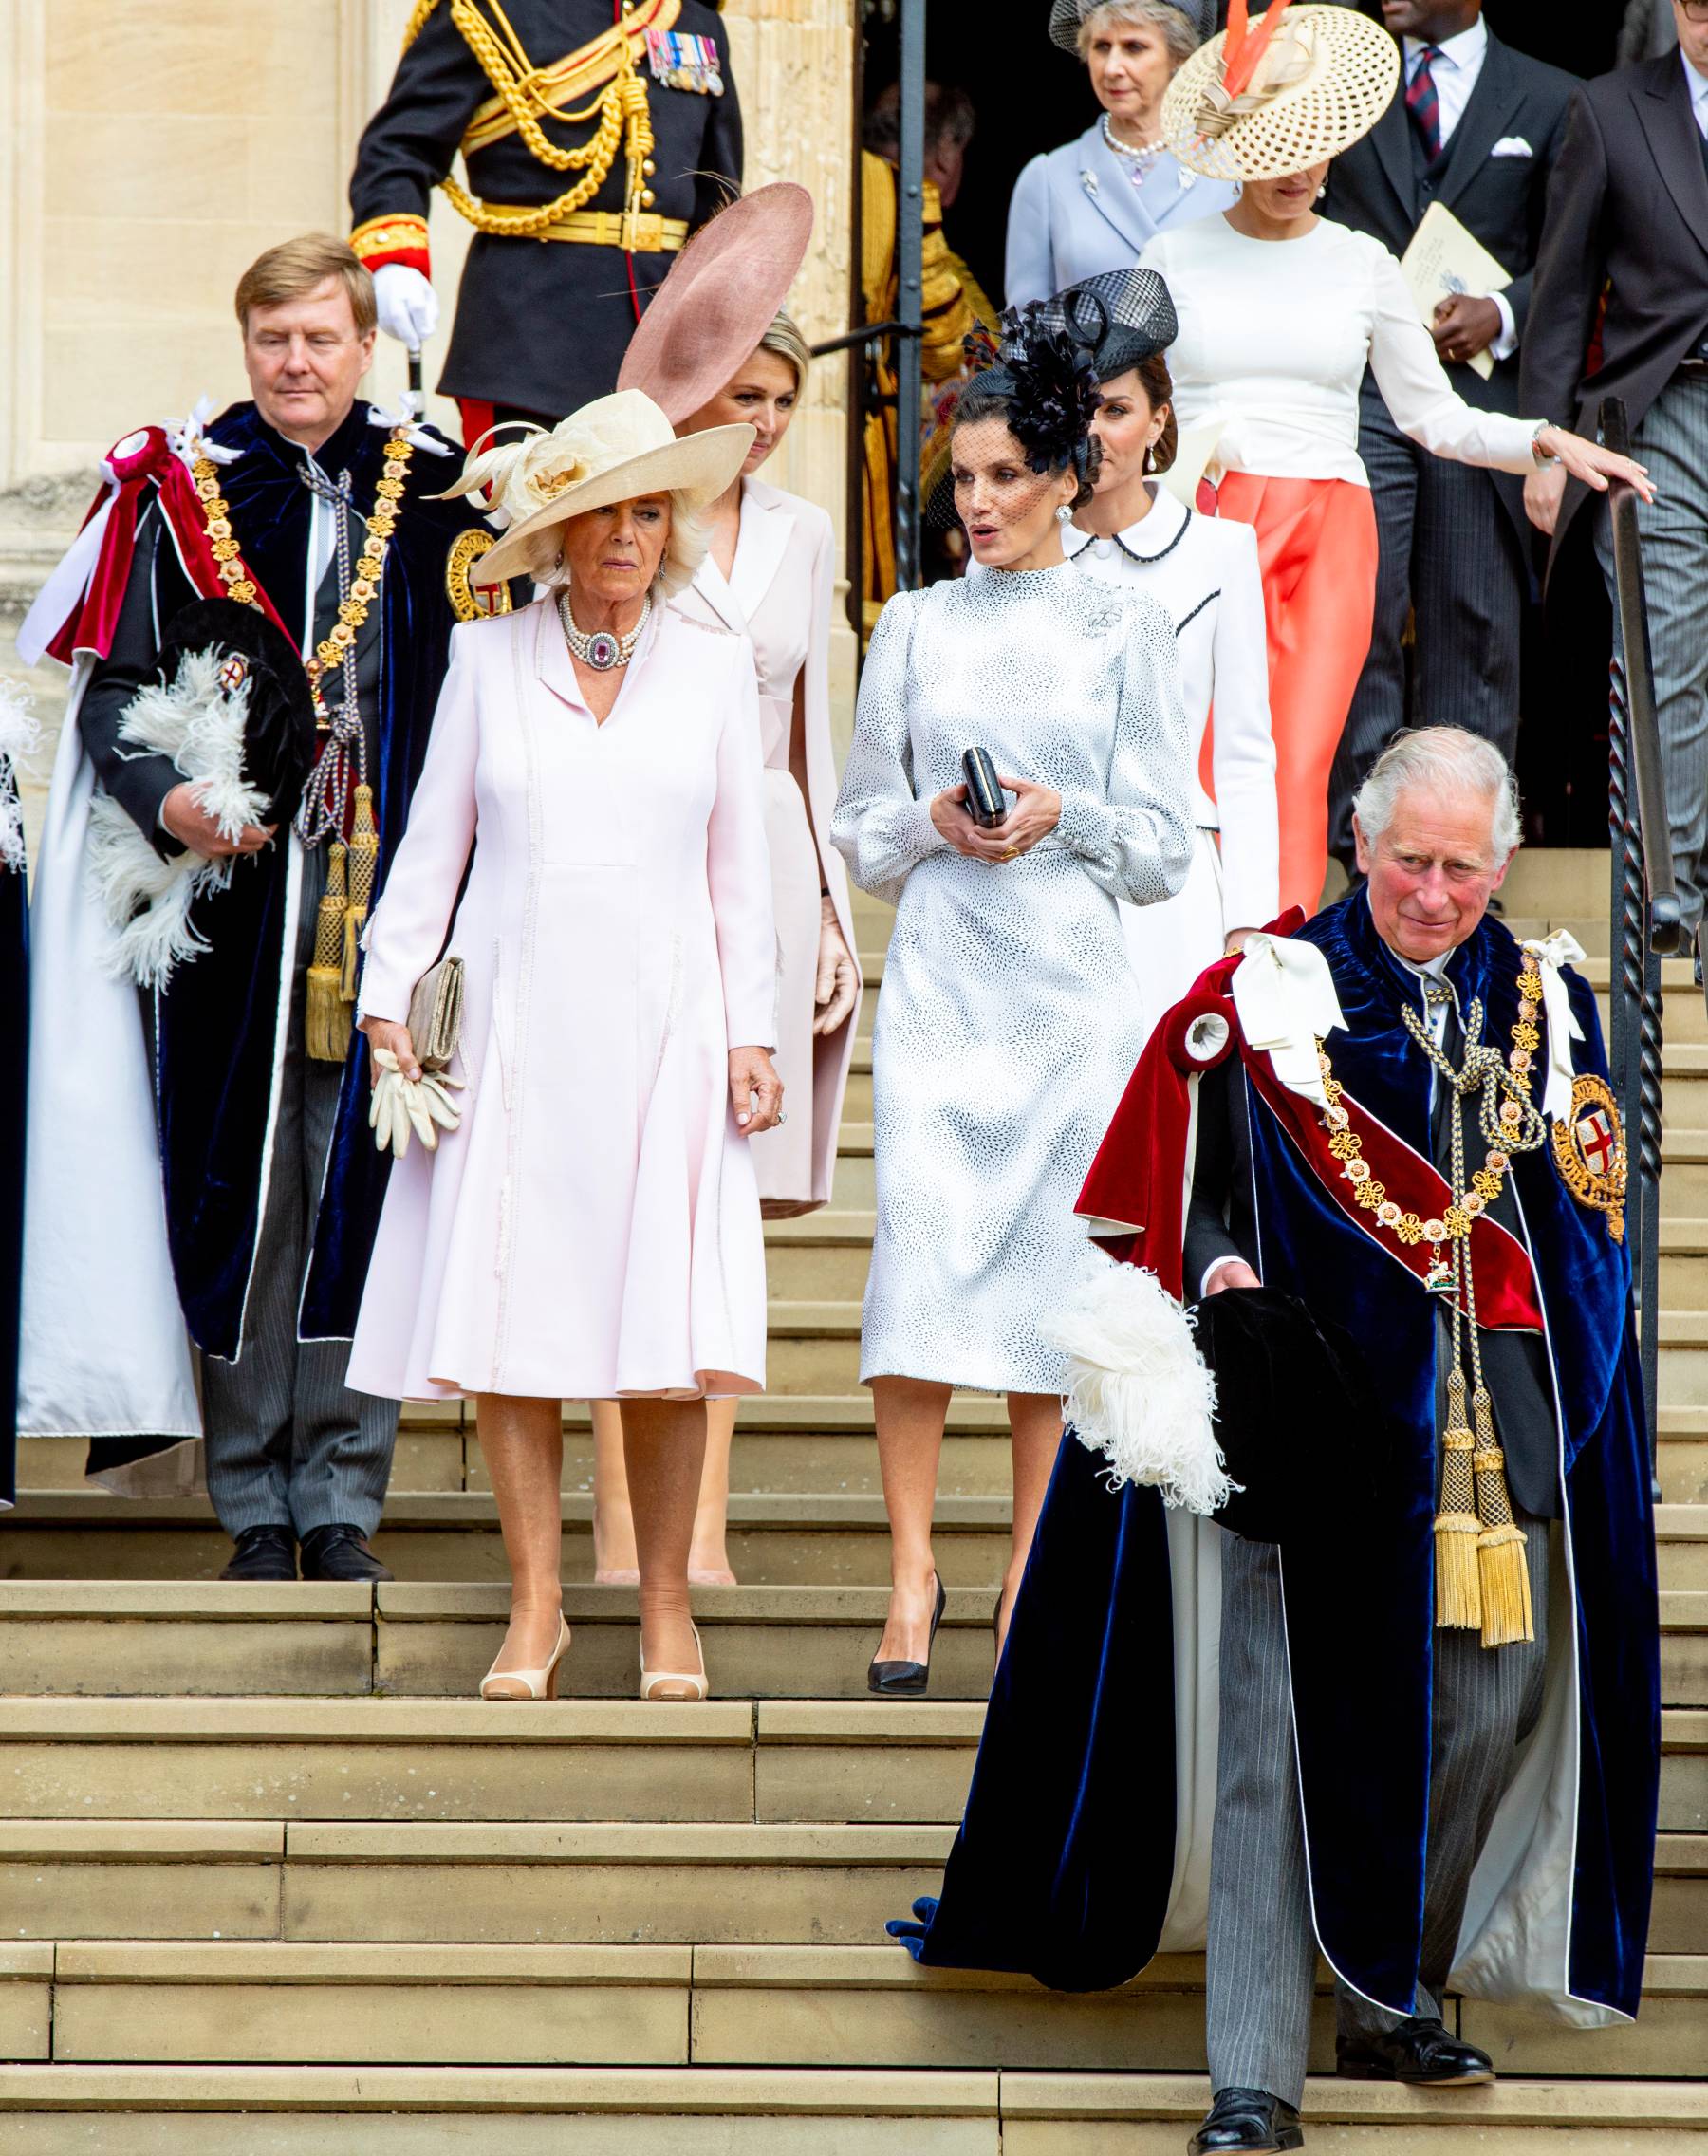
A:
(986, 802)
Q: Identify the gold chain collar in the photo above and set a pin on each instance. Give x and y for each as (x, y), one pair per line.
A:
(380, 524)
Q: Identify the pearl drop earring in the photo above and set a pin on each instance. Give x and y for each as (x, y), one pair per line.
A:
(1322, 191)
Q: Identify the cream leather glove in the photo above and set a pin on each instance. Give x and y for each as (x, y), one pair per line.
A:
(401, 1105)
(837, 984)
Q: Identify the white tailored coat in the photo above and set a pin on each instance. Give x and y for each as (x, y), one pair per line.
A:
(1203, 573)
(779, 593)
(593, 1229)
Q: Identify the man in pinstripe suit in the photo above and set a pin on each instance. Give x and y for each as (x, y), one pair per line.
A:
(1474, 126)
(1620, 309)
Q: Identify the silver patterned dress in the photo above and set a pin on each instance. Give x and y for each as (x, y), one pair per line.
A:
(1009, 1020)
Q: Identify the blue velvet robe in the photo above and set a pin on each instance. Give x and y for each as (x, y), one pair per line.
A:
(1064, 1862)
(216, 1020)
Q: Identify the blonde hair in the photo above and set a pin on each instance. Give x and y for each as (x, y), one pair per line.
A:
(689, 543)
(1178, 33)
(785, 337)
(293, 269)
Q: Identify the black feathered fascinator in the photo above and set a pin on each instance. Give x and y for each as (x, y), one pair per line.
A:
(1044, 369)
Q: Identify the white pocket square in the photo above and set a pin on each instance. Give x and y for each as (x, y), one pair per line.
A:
(1511, 146)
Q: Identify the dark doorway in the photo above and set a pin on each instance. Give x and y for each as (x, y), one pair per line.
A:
(1028, 95)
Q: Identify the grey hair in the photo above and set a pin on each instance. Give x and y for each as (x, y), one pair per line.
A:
(684, 551)
(1179, 33)
(1441, 760)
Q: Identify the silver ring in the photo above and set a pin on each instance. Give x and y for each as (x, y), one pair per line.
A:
(782, 1115)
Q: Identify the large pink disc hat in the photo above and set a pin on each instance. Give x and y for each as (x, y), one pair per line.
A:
(720, 299)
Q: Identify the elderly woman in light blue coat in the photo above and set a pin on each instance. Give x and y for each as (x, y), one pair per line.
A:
(1092, 204)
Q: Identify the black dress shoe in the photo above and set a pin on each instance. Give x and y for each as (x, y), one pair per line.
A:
(1419, 2050)
(263, 1554)
(1248, 2120)
(337, 1552)
(897, 1680)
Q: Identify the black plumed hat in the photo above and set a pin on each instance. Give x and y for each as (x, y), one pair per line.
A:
(254, 652)
(1298, 1420)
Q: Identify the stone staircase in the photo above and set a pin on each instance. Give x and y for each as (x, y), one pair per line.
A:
(272, 1883)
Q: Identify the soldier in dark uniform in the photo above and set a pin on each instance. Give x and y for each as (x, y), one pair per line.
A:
(596, 135)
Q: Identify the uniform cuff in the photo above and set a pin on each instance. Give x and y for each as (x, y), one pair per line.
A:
(401, 239)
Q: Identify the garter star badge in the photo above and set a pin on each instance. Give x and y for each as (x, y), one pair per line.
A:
(1589, 1151)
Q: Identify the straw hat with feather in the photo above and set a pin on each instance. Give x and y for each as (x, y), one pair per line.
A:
(721, 296)
(1279, 92)
(613, 450)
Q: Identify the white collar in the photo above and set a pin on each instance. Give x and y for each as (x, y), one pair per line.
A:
(1431, 969)
(1151, 536)
(1463, 51)
(1695, 82)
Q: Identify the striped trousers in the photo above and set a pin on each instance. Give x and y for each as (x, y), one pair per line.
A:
(1261, 1972)
(1673, 442)
(289, 1444)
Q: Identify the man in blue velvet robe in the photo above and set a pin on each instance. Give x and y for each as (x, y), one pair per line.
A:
(1421, 1806)
(269, 1177)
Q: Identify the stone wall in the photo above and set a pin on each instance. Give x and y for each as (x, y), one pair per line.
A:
(149, 150)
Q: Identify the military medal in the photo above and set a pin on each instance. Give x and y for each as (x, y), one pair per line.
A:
(1589, 1151)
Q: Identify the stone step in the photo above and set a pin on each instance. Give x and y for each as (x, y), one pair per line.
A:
(498, 1882)
(1684, 1455)
(776, 1538)
(297, 2110)
(275, 2002)
(392, 2110)
(612, 1884)
(435, 1640)
(785, 1762)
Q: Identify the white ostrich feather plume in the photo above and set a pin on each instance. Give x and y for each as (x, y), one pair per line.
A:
(1138, 1390)
(19, 734)
(147, 901)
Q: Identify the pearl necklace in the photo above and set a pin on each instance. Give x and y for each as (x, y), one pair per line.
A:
(1140, 158)
(599, 648)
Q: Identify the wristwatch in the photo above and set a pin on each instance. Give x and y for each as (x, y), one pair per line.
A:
(1542, 457)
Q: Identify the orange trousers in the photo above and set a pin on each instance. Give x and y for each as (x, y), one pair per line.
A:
(1316, 547)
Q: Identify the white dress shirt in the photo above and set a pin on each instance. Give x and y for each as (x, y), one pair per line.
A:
(1697, 84)
(1274, 341)
(1456, 65)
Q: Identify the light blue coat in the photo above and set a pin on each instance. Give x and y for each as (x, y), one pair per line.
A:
(1075, 213)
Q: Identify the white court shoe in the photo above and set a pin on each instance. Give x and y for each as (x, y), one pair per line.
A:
(694, 1681)
(536, 1684)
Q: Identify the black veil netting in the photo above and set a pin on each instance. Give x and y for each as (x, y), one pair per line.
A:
(1121, 317)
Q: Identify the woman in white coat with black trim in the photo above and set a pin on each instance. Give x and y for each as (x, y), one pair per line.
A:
(1203, 573)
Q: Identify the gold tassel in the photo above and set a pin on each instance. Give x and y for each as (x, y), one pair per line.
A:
(1502, 1561)
(328, 1015)
(364, 864)
(1458, 1597)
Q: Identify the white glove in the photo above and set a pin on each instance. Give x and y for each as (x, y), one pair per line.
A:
(401, 1105)
(408, 303)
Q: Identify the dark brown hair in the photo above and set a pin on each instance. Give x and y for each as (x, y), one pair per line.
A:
(1157, 385)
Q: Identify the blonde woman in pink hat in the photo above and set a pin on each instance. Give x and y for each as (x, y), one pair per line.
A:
(714, 350)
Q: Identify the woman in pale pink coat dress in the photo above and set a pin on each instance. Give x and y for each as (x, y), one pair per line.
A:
(593, 1228)
(710, 353)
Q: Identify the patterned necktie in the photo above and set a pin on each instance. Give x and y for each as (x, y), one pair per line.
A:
(1424, 106)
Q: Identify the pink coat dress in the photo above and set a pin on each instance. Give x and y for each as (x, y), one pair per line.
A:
(593, 1228)
(779, 593)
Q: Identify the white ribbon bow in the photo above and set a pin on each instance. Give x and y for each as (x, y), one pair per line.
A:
(188, 438)
(1551, 953)
(405, 416)
(1285, 995)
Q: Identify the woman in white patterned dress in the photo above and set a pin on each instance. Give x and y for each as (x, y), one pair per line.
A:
(1009, 1020)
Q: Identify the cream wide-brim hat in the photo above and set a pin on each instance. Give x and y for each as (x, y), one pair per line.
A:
(1327, 77)
(613, 450)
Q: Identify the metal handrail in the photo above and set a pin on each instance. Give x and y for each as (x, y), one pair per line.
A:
(1645, 917)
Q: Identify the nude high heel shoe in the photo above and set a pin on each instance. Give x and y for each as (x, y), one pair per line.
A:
(696, 1681)
(537, 1684)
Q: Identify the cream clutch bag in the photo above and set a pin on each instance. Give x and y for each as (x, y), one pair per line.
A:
(436, 1013)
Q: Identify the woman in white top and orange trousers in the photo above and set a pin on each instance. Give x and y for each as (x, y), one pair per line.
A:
(1280, 312)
